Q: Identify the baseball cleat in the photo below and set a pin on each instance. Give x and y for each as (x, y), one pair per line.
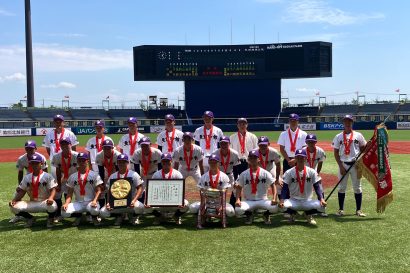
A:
(266, 219)
(360, 213)
(50, 223)
(178, 220)
(249, 219)
(340, 213)
(310, 220)
(30, 222)
(89, 218)
(58, 219)
(76, 222)
(291, 218)
(16, 219)
(324, 214)
(135, 220)
(96, 221)
(118, 221)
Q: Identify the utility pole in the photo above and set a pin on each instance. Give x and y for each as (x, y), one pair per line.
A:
(29, 56)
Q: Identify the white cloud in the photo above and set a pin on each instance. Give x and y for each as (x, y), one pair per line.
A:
(327, 37)
(319, 11)
(16, 77)
(307, 90)
(57, 58)
(67, 35)
(60, 85)
(6, 13)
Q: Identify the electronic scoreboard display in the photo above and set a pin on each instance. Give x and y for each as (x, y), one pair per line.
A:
(224, 62)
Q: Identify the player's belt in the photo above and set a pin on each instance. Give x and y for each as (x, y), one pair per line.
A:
(349, 163)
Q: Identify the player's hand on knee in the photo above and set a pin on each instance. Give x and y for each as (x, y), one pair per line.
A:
(49, 202)
(274, 202)
(281, 204)
(238, 203)
(108, 207)
(64, 207)
(12, 203)
(132, 204)
(146, 206)
(93, 204)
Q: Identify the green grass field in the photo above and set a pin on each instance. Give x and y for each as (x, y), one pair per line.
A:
(377, 243)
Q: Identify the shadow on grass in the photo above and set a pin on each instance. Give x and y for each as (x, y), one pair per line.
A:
(352, 218)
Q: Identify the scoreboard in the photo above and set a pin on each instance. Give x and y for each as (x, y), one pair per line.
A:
(232, 62)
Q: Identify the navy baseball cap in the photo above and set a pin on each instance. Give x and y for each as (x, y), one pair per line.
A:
(214, 157)
(293, 116)
(36, 158)
(209, 114)
(107, 143)
(311, 137)
(123, 157)
(82, 156)
(166, 156)
(170, 117)
(99, 123)
(66, 140)
(145, 140)
(30, 144)
(300, 152)
(225, 139)
(348, 117)
(254, 153)
(242, 120)
(132, 120)
(58, 117)
(188, 134)
(264, 140)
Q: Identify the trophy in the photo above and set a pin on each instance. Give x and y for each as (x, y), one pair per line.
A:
(120, 192)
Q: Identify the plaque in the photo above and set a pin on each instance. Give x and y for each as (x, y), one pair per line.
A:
(120, 193)
(165, 193)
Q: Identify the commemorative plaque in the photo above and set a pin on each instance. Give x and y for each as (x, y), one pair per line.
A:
(120, 192)
(165, 193)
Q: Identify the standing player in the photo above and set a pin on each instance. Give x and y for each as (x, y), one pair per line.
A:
(347, 146)
(65, 163)
(298, 183)
(291, 140)
(207, 137)
(129, 142)
(167, 172)
(147, 159)
(243, 142)
(94, 144)
(53, 138)
(41, 188)
(213, 179)
(171, 138)
(136, 208)
(188, 158)
(255, 183)
(315, 156)
(86, 185)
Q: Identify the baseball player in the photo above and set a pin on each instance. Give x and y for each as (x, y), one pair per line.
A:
(167, 172)
(65, 163)
(291, 140)
(207, 137)
(188, 158)
(136, 208)
(269, 159)
(213, 179)
(171, 138)
(255, 183)
(41, 189)
(53, 138)
(298, 183)
(243, 142)
(347, 146)
(315, 156)
(129, 142)
(95, 144)
(147, 159)
(86, 185)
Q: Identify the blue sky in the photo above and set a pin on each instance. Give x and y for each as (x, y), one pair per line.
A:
(83, 49)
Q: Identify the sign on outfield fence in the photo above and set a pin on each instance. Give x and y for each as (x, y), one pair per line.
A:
(15, 132)
(44, 131)
(403, 125)
(304, 126)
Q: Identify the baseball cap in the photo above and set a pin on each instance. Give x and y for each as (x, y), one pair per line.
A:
(293, 116)
(82, 156)
(349, 117)
(264, 140)
(311, 137)
(99, 123)
(58, 117)
(36, 158)
(170, 117)
(30, 144)
(209, 114)
(187, 134)
(132, 120)
(214, 157)
(225, 139)
(300, 152)
(242, 120)
(66, 140)
(107, 143)
(145, 140)
(254, 153)
(123, 157)
(166, 156)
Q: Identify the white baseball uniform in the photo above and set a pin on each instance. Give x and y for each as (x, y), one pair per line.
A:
(125, 145)
(36, 204)
(214, 137)
(155, 159)
(23, 162)
(268, 160)
(197, 156)
(83, 202)
(285, 140)
(338, 143)
(72, 168)
(315, 159)
(227, 167)
(251, 143)
(91, 147)
(164, 137)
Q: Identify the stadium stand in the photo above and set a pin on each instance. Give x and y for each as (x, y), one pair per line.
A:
(123, 114)
(339, 110)
(85, 114)
(380, 108)
(302, 111)
(404, 109)
(13, 114)
(47, 114)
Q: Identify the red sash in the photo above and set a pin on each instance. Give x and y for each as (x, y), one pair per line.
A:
(109, 164)
(57, 141)
(208, 138)
(133, 142)
(119, 175)
(35, 184)
(311, 161)
(99, 145)
(225, 164)
(301, 182)
(188, 159)
(66, 165)
(242, 142)
(82, 182)
(212, 183)
(347, 143)
(264, 163)
(146, 161)
(170, 140)
(254, 182)
(164, 175)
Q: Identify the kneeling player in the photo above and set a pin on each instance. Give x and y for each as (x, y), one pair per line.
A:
(167, 172)
(86, 185)
(299, 183)
(136, 208)
(41, 188)
(255, 183)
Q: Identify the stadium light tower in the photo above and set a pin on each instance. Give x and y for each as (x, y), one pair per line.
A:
(29, 56)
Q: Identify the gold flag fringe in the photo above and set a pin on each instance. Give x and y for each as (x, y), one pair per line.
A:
(384, 201)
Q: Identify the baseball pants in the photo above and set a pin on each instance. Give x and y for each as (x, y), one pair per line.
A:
(163, 211)
(138, 209)
(33, 207)
(293, 204)
(250, 205)
(194, 209)
(79, 208)
(357, 186)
